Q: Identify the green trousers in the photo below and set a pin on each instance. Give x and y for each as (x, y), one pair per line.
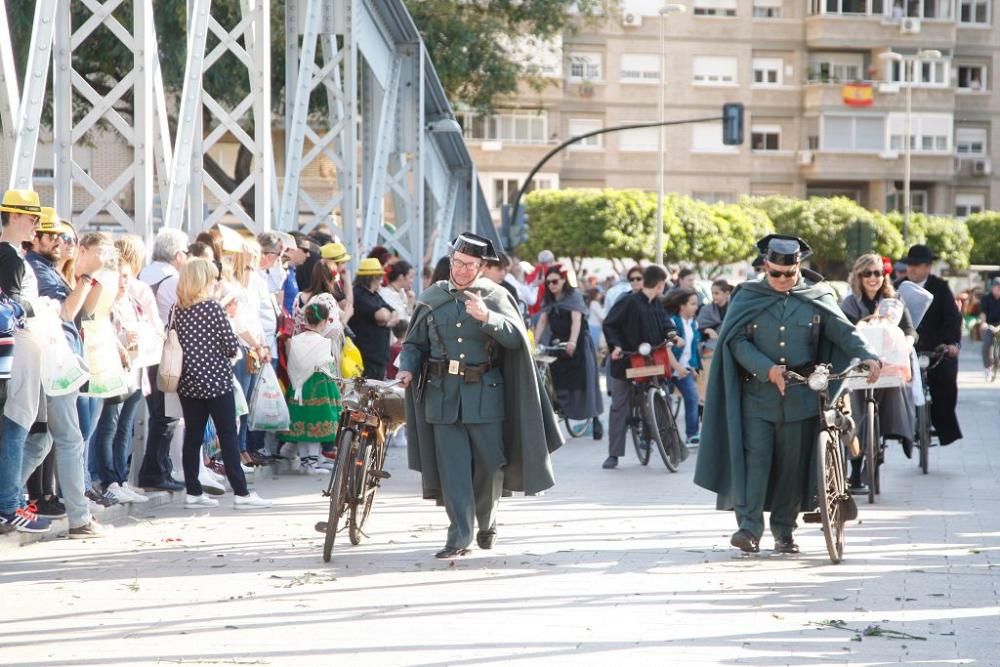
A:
(778, 464)
(470, 464)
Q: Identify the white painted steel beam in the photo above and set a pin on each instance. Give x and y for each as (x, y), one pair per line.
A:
(29, 115)
(10, 95)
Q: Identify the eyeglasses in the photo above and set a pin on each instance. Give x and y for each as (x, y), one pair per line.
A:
(459, 264)
(68, 239)
(782, 274)
(871, 274)
(635, 279)
(553, 282)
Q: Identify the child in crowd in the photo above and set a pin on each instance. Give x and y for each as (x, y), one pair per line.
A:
(313, 396)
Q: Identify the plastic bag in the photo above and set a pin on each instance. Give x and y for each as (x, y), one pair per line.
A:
(890, 344)
(351, 365)
(100, 350)
(240, 398)
(268, 410)
(62, 371)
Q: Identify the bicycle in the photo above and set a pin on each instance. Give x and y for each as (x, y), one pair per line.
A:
(374, 407)
(544, 356)
(651, 419)
(836, 427)
(873, 445)
(994, 351)
(927, 361)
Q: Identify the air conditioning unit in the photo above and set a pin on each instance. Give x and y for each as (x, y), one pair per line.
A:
(632, 20)
(909, 26)
(982, 167)
(889, 155)
(805, 158)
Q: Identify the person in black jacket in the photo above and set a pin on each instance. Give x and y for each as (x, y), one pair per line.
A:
(941, 325)
(635, 318)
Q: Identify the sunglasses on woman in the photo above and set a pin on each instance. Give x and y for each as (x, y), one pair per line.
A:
(635, 279)
(553, 282)
(871, 274)
(782, 274)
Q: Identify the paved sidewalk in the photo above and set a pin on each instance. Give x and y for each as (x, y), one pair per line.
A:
(610, 566)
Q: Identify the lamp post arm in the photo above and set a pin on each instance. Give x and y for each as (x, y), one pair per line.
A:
(516, 205)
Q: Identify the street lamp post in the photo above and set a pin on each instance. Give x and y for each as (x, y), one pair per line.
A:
(665, 10)
(908, 72)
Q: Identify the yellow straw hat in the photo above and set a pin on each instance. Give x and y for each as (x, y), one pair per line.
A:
(370, 266)
(21, 201)
(335, 252)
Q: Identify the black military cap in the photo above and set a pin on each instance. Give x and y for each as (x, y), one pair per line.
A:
(783, 249)
(475, 246)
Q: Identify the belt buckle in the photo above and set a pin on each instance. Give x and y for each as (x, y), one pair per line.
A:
(453, 367)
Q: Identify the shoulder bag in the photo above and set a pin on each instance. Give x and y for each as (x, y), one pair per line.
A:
(168, 375)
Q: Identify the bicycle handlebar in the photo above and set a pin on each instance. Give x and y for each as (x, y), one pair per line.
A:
(854, 369)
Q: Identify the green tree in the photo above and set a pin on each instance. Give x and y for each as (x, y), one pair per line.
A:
(470, 42)
(984, 228)
(947, 237)
(617, 224)
(712, 235)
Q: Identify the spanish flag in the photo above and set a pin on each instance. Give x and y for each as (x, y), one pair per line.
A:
(858, 94)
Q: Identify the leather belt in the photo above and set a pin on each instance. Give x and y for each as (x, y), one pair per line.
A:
(470, 372)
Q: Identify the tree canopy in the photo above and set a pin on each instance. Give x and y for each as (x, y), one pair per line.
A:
(984, 228)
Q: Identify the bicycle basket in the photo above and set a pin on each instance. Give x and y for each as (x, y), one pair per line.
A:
(643, 368)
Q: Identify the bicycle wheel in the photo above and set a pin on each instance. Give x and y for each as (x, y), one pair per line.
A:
(339, 484)
(830, 492)
(663, 428)
(374, 453)
(995, 357)
(871, 458)
(637, 427)
(575, 428)
(924, 434)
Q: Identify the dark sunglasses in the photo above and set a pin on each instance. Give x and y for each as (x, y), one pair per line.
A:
(782, 274)
(68, 239)
(634, 279)
(553, 282)
(871, 274)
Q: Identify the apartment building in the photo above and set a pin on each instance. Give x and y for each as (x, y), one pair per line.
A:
(795, 64)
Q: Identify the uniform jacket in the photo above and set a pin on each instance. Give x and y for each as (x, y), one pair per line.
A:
(763, 328)
(508, 392)
(942, 323)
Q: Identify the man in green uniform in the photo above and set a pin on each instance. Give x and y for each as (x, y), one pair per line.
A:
(476, 420)
(759, 435)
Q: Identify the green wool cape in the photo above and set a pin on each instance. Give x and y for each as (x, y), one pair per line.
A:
(530, 430)
(721, 466)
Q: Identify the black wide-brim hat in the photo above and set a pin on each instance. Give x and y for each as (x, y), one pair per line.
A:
(475, 246)
(919, 254)
(783, 249)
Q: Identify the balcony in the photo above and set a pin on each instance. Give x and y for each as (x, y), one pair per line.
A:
(838, 31)
(833, 166)
(818, 96)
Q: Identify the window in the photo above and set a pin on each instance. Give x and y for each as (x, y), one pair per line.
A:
(864, 7)
(585, 67)
(639, 68)
(974, 12)
(43, 174)
(918, 200)
(767, 71)
(852, 133)
(929, 133)
(714, 197)
(578, 126)
(767, 9)
(714, 70)
(514, 128)
(925, 74)
(505, 187)
(968, 203)
(643, 139)
(765, 138)
(707, 138)
(970, 141)
(714, 8)
(971, 77)
(836, 67)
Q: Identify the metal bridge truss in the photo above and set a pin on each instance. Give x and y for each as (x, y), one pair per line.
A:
(404, 177)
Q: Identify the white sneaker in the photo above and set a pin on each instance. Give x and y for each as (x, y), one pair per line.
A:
(308, 466)
(198, 502)
(247, 469)
(987, 374)
(325, 464)
(210, 485)
(133, 495)
(116, 492)
(250, 502)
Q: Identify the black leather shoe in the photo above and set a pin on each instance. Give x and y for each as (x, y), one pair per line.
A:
(811, 517)
(485, 539)
(745, 542)
(598, 429)
(786, 546)
(451, 552)
(610, 462)
(166, 485)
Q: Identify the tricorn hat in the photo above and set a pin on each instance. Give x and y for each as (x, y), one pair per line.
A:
(783, 249)
(919, 254)
(475, 246)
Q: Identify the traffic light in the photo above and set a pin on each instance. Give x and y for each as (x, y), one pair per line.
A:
(732, 124)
